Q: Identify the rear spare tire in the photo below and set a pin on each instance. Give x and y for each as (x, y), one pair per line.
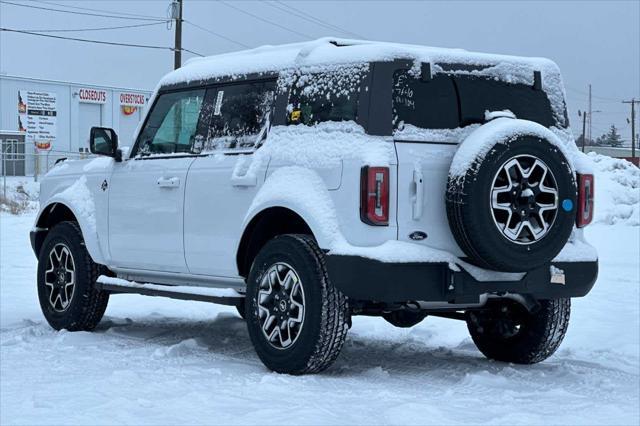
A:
(513, 209)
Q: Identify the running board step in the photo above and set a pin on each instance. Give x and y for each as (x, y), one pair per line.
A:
(221, 296)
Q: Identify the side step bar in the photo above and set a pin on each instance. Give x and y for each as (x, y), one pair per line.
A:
(221, 296)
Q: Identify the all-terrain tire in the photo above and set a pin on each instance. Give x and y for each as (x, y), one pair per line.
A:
(404, 318)
(241, 307)
(471, 217)
(325, 323)
(86, 305)
(538, 337)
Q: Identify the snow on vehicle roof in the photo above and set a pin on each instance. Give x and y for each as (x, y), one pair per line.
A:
(335, 51)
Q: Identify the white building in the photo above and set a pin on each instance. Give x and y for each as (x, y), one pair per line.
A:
(56, 116)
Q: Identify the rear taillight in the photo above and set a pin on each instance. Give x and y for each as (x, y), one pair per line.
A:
(374, 195)
(585, 200)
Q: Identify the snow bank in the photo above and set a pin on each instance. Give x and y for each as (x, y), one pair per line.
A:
(21, 194)
(617, 190)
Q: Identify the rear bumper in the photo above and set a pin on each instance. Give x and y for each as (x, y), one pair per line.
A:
(366, 279)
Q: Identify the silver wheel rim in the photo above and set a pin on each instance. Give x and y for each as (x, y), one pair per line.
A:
(281, 306)
(524, 199)
(60, 277)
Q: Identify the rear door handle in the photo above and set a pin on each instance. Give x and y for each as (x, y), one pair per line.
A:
(172, 182)
(418, 197)
(245, 180)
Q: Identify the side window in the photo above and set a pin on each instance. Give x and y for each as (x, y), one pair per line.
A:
(238, 116)
(431, 104)
(172, 124)
(324, 96)
(480, 94)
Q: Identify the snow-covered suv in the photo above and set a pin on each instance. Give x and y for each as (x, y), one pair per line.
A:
(309, 183)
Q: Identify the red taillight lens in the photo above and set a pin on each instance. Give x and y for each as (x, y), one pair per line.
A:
(585, 200)
(374, 195)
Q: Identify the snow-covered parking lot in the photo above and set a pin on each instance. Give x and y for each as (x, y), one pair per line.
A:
(156, 361)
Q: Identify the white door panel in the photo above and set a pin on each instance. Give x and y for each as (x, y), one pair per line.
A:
(421, 206)
(146, 206)
(217, 203)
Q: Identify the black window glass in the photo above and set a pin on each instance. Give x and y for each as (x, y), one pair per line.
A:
(172, 123)
(324, 96)
(239, 115)
(480, 94)
(430, 104)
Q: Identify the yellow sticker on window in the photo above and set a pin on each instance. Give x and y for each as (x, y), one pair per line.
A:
(295, 115)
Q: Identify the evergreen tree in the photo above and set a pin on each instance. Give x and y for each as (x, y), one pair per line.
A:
(612, 137)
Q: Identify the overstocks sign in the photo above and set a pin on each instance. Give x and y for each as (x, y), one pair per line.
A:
(132, 99)
(37, 116)
(93, 96)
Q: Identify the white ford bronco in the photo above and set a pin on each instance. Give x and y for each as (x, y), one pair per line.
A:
(308, 183)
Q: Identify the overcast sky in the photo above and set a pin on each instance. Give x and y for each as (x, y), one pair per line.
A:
(595, 42)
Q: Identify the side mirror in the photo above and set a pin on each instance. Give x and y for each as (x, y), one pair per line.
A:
(104, 141)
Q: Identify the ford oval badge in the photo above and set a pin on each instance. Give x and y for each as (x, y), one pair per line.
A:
(418, 235)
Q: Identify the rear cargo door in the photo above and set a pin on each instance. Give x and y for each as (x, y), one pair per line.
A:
(426, 117)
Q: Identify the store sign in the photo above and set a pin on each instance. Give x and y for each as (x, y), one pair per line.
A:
(37, 116)
(92, 96)
(132, 99)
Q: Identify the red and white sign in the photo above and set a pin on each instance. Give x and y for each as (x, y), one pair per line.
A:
(132, 99)
(92, 96)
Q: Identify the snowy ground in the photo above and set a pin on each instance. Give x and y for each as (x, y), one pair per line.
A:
(159, 361)
(156, 361)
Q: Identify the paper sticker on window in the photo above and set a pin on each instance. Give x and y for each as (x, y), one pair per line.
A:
(295, 116)
(218, 106)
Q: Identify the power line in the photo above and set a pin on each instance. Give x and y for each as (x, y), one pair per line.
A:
(216, 34)
(80, 13)
(95, 29)
(95, 10)
(307, 17)
(260, 18)
(111, 43)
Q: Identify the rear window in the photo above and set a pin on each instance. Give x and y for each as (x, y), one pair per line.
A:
(433, 104)
(429, 104)
(479, 94)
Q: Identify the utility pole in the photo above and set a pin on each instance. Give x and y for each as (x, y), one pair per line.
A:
(584, 128)
(633, 103)
(177, 49)
(590, 113)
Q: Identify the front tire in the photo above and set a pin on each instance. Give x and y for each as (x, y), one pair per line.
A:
(506, 331)
(297, 320)
(66, 281)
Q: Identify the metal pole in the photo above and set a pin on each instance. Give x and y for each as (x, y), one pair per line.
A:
(633, 103)
(584, 129)
(590, 114)
(177, 51)
(4, 170)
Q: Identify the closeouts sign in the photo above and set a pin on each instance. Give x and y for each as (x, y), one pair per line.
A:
(94, 96)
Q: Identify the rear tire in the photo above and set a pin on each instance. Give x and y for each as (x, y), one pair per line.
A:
(66, 281)
(297, 320)
(507, 332)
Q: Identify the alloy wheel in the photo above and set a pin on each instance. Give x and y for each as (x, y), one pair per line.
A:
(524, 199)
(60, 277)
(281, 305)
